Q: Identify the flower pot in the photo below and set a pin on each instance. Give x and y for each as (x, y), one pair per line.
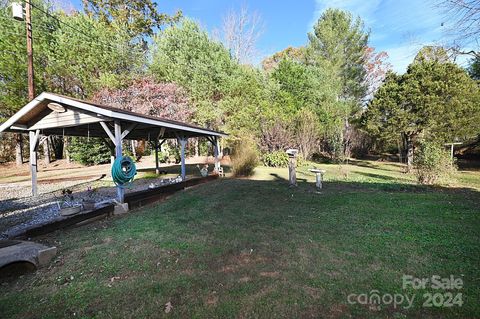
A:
(68, 211)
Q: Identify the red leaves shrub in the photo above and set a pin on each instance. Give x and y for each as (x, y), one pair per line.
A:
(145, 96)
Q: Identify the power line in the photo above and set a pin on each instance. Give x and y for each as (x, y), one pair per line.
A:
(71, 27)
(97, 42)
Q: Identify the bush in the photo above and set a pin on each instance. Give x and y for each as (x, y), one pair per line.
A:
(275, 159)
(89, 151)
(244, 158)
(433, 164)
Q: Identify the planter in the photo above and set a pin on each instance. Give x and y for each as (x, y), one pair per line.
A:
(88, 205)
(68, 211)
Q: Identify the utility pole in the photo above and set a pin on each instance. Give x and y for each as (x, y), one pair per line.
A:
(31, 84)
(28, 20)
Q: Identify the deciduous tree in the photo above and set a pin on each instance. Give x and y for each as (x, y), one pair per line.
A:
(139, 18)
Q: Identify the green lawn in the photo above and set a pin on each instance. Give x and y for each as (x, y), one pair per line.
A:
(257, 248)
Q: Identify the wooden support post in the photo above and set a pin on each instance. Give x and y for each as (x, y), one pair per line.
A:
(216, 147)
(183, 142)
(33, 160)
(157, 169)
(157, 146)
(118, 154)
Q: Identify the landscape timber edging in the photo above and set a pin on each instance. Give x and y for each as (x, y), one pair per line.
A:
(134, 200)
(62, 222)
(149, 196)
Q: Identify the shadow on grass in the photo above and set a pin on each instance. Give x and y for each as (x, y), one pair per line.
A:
(389, 185)
(279, 178)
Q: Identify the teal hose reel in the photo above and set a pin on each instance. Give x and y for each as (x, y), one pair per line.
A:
(123, 171)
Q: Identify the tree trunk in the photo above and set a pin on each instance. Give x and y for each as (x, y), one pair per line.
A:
(46, 152)
(409, 153)
(400, 151)
(18, 149)
(65, 149)
(57, 146)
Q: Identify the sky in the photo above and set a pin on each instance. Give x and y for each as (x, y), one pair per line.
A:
(399, 27)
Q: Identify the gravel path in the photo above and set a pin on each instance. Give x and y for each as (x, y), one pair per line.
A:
(20, 213)
(18, 210)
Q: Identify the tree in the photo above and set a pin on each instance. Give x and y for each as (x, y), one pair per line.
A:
(295, 54)
(244, 102)
(145, 96)
(465, 15)
(432, 101)
(340, 40)
(339, 43)
(306, 132)
(240, 33)
(376, 68)
(474, 68)
(432, 53)
(139, 18)
(81, 63)
(186, 55)
(13, 61)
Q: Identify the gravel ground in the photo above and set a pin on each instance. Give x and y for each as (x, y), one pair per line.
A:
(19, 211)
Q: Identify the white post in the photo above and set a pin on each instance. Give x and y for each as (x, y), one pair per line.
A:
(217, 151)
(118, 154)
(183, 142)
(157, 170)
(33, 160)
(319, 180)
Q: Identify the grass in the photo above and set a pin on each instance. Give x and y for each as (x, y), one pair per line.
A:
(257, 248)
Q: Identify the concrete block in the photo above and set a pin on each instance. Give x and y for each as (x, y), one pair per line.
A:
(46, 255)
(120, 209)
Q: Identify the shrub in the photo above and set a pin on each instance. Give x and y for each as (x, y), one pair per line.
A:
(244, 158)
(89, 151)
(275, 159)
(433, 164)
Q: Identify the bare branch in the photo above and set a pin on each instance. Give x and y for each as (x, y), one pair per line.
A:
(465, 27)
(240, 33)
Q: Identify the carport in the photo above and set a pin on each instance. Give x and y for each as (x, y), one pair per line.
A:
(53, 114)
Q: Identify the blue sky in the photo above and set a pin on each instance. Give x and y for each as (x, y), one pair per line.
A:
(399, 27)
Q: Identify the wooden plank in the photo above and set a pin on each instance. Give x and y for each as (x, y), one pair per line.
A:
(144, 197)
(109, 133)
(128, 117)
(63, 222)
(128, 130)
(66, 119)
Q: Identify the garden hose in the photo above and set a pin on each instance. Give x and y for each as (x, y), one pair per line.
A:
(123, 171)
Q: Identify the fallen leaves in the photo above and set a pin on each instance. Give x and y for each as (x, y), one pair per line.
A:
(168, 307)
